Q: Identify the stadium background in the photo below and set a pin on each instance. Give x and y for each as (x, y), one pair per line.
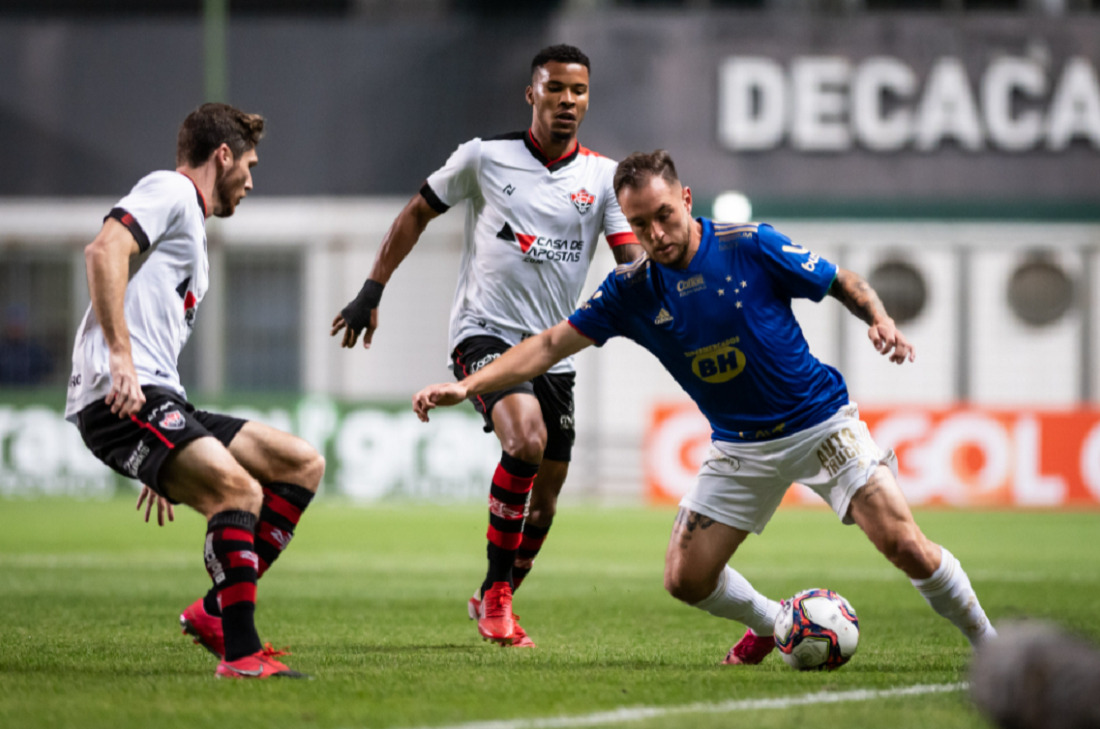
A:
(947, 151)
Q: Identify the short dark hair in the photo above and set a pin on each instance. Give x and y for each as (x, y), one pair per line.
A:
(637, 169)
(561, 53)
(212, 125)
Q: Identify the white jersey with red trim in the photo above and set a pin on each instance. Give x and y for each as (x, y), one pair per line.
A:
(166, 214)
(532, 227)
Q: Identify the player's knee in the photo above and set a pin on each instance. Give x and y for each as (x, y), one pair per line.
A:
(526, 446)
(909, 550)
(685, 587)
(542, 515)
(312, 469)
(239, 491)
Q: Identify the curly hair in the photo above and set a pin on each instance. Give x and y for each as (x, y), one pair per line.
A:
(212, 125)
(561, 53)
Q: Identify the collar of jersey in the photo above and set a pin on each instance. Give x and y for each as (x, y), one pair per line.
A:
(551, 164)
(198, 193)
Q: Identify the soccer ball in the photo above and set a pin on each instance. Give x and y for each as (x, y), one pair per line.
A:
(816, 629)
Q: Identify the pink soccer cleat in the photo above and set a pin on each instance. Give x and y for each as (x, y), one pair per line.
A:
(750, 650)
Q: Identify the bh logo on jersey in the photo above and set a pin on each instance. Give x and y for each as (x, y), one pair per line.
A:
(719, 362)
(582, 200)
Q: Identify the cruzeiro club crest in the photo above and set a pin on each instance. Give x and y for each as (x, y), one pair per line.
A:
(583, 200)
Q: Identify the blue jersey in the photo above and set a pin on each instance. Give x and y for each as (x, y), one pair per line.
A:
(723, 327)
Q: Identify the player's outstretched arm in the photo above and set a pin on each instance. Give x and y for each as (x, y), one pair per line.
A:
(361, 314)
(526, 360)
(855, 293)
(107, 259)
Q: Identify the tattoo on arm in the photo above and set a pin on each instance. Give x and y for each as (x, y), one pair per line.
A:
(857, 295)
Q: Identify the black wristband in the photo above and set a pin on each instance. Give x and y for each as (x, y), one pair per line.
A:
(357, 313)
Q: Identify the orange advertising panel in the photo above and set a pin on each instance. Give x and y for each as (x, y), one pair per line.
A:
(957, 457)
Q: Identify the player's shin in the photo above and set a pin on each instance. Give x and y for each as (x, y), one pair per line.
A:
(949, 593)
(231, 561)
(508, 496)
(533, 537)
(282, 508)
(735, 599)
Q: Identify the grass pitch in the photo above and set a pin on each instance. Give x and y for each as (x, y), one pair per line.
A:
(372, 603)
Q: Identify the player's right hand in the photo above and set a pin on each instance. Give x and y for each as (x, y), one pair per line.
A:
(434, 396)
(351, 334)
(125, 397)
(361, 313)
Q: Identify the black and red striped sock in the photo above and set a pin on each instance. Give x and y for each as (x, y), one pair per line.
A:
(507, 504)
(533, 537)
(231, 561)
(283, 507)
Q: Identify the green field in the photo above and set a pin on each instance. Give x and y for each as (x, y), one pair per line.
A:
(372, 603)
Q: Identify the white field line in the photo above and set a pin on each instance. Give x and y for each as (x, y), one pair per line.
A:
(640, 713)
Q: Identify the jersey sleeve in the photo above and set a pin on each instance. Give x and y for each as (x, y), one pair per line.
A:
(456, 180)
(597, 317)
(801, 273)
(153, 206)
(615, 228)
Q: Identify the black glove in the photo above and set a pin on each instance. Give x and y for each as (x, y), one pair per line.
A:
(357, 313)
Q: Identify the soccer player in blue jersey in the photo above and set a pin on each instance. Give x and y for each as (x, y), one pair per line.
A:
(713, 303)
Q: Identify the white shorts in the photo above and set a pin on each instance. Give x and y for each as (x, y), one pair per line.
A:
(741, 484)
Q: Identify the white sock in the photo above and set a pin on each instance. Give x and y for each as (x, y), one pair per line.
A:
(949, 593)
(736, 599)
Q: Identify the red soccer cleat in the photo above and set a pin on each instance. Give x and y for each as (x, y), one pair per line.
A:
(750, 650)
(520, 639)
(494, 620)
(261, 664)
(204, 628)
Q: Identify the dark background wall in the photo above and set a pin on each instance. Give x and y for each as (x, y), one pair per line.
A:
(362, 107)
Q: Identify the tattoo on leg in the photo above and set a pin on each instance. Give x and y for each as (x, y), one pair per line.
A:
(692, 521)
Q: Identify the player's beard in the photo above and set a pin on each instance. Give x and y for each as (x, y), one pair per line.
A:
(225, 194)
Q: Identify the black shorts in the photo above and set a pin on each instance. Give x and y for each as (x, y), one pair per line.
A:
(554, 393)
(139, 445)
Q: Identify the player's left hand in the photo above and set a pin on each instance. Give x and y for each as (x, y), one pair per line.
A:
(433, 396)
(148, 496)
(888, 340)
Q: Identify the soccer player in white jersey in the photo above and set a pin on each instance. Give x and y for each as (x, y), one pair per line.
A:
(537, 203)
(712, 303)
(147, 275)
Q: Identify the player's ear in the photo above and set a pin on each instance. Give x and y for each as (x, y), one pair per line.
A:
(529, 95)
(224, 155)
(687, 199)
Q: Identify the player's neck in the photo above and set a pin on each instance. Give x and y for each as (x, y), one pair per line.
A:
(203, 178)
(550, 147)
(693, 242)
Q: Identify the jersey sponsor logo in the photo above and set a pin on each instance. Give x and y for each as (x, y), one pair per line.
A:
(189, 301)
(582, 200)
(173, 420)
(663, 317)
(137, 457)
(840, 448)
(75, 380)
(508, 190)
(719, 362)
(539, 249)
(691, 285)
